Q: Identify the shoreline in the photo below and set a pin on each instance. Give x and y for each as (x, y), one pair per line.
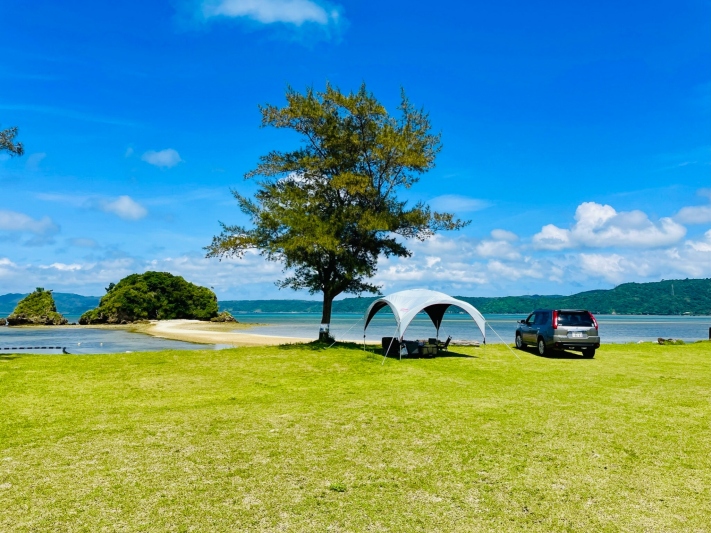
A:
(201, 332)
(194, 331)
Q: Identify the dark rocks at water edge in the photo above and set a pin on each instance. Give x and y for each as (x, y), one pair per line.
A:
(152, 296)
(3, 321)
(37, 309)
(224, 316)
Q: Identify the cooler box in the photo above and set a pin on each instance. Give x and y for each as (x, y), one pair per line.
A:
(391, 346)
(428, 349)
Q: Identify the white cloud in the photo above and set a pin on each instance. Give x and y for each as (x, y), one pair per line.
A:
(600, 226)
(84, 243)
(457, 204)
(34, 160)
(248, 278)
(697, 214)
(503, 235)
(608, 267)
(63, 267)
(125, 207)
(129, 152)
(701, 246)
(552, 237)
(167, 158)
(514, 271)
(295, 12)
(500, 249)
(14, 221)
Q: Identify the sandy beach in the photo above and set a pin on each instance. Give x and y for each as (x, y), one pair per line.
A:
(211, 333)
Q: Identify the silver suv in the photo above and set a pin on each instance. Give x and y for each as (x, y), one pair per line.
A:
(559, 329)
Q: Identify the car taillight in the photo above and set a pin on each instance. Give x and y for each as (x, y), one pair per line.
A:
(593, 319)
(555, 319)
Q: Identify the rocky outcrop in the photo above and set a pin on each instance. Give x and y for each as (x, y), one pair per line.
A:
(36, 309)
(224, 316)
(3, 321)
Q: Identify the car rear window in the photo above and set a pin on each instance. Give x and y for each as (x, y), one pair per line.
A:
(580, 318)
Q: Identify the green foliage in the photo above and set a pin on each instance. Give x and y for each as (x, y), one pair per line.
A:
(224, 316)
(670, 297)
(691, 296)
(37, 308)
(329, 209)
(154, 296)
(7, 144)
(67, 303)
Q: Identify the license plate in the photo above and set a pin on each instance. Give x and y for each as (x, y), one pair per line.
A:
(576, 334)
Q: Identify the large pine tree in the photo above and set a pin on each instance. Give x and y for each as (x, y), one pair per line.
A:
(330, 208)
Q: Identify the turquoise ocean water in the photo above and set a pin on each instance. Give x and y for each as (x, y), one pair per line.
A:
(613, 329)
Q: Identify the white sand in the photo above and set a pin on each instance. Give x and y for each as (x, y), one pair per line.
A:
(213, 333)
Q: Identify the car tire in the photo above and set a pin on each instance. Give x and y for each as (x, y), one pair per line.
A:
(519, 342)
(588, 353)
(542, 346)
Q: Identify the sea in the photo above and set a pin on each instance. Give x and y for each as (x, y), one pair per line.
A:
(500, 328)
(344, 327)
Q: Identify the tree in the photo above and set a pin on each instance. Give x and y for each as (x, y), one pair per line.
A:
(330, 208)
(6, 142)
(153, 296)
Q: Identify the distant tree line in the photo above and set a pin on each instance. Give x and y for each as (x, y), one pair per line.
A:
(670, 297)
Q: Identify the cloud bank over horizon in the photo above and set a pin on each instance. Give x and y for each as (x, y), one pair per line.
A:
(629, 246)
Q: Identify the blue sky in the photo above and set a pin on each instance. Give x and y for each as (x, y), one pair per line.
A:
(577, 138)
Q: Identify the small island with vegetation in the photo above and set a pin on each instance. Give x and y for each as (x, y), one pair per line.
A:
(36, 309)
(152, 296)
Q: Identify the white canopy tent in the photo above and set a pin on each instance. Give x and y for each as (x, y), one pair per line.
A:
(407, 304)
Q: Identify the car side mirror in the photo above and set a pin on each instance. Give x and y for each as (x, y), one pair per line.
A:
(522, 321)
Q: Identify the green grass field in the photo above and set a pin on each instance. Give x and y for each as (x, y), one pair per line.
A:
(301, 438)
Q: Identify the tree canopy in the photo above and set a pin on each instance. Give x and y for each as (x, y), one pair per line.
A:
(36, 308)
(328, 209)
(152, 295)
(8, 144)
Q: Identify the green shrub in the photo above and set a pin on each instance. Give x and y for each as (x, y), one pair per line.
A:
(152, 296)
(37, 308)
(224, 316)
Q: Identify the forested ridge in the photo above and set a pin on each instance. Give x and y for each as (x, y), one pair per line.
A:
(669, 297)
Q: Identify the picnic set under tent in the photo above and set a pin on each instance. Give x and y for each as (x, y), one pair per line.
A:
(406, 305)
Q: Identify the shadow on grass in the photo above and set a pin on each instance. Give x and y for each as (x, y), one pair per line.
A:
(317, 346)
(9, 357)
(560, 354)
(379, 353)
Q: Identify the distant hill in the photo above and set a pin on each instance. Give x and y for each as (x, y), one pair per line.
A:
(67, 303)
(669, 297)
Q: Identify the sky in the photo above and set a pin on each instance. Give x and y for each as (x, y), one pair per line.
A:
(576, 137)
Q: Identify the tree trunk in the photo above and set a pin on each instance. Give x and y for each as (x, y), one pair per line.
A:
(324, 334)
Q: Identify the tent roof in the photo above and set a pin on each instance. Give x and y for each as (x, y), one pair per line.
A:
(407, 304)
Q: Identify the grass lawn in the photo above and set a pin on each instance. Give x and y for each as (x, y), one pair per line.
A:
(300, 438)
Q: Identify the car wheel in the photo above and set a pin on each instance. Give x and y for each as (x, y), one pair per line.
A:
(589, 353)
(541, 346)
(519, 342)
